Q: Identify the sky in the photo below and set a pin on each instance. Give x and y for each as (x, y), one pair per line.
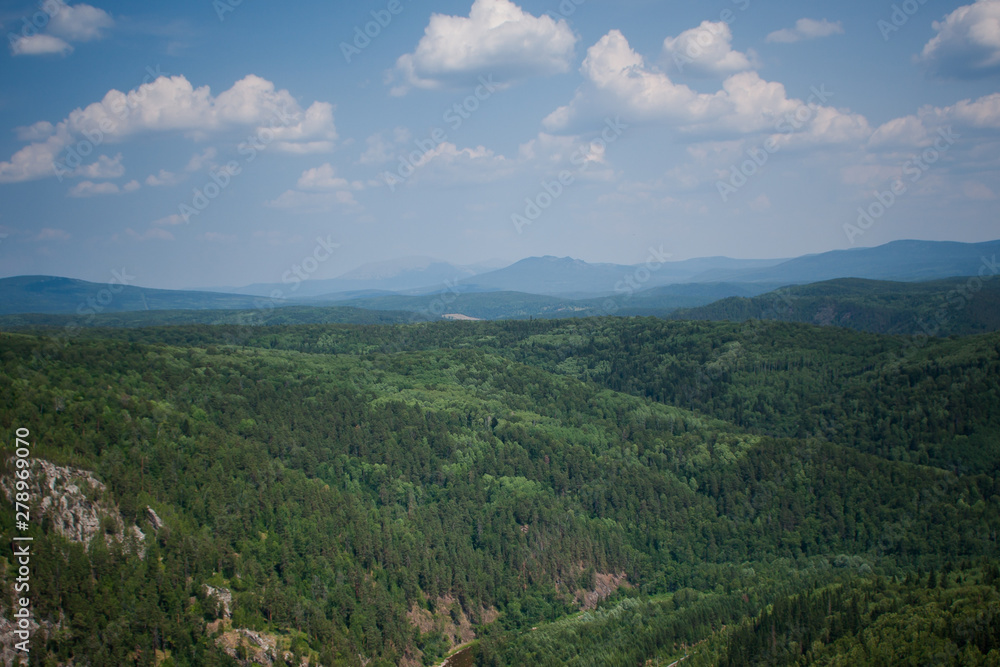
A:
(196, 143)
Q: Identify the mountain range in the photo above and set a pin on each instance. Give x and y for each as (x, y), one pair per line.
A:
(532, 287)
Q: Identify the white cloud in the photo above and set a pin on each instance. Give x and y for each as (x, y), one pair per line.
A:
(152, 234)
(169, 221)
(379, 150)
(967, 43)
(131, 186)
(704, 51)
(921, 129)
(64, 24)
(312, 202)
(449, 164)
(319, 189)
(907, 131)
(104, 168)
(617, 81)
(497, 38)
(322, 178)
(806, 29)
(91, 189)
(50, 234)
(199, 160)
(965, 131)
(39, 131)
(172, 104)
(78, 23)
(39, 45)
(551, 153)
(163, 178)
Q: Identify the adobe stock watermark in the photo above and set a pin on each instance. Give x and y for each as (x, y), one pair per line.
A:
(565, 9)
(453, 116)
(363, 35)
(223, 7)
(299, 272)
(758, 156)
(73, 155)
(914, 168)
(88, 309)
(221, 178)
(552, 190)
(899, 17)
(954, 301)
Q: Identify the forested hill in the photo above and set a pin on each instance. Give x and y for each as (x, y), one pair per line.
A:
(373, 495)
(956, 306)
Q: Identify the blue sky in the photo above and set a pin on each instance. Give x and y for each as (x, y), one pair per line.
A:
(198, 143)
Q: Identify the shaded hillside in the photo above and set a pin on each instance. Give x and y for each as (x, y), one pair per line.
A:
(48, 294)
(284, 315)
(941, 307)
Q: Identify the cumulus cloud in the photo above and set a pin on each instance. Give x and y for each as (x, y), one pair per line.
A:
(324, 177)
(172, 104)
(704, 51)
(318, 189)
(163, 178)
(967, 43)
(104, 168)
(806, 29)
(199, 160)
(91, 189)
(448, 164)
(497, 38)
(166, 178)
(39, 131)
(551, 152)
(39, 45)
(62, 24)
(78, 23)
(617, 81)
(922, 129)
(616, 77)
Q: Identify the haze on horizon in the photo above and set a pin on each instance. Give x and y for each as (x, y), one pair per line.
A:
(220, 143)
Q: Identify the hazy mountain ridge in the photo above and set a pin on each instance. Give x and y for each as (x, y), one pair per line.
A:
(570, 286)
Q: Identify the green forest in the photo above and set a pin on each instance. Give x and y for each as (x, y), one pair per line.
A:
(599, 491)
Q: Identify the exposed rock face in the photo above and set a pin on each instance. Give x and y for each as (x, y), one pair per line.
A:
(8, 640)
(450, 620)
(71, 499)
(154, 518)
(604, 586)
(224, 596)
(249, 648)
